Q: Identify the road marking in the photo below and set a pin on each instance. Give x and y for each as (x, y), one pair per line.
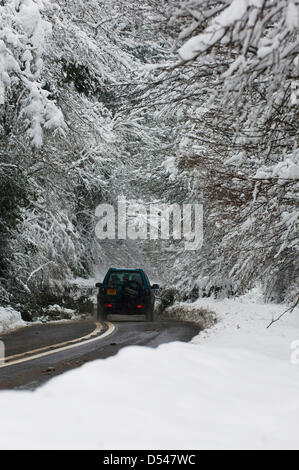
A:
(91, 337)
(97, 330)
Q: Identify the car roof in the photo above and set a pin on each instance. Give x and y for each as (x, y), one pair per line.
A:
(125, 269)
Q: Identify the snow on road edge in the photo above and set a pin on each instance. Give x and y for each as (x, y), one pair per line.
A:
(10, 320)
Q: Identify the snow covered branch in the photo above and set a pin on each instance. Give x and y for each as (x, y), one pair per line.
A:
(22, 45)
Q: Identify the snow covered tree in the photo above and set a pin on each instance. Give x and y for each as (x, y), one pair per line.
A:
(22, 46)
(90, 56)
(171, 102)
(254, 174)
(236, 82)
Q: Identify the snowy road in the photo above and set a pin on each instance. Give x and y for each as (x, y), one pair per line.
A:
(35, 354)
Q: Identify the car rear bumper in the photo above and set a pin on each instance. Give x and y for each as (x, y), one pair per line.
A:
(124, 311)
(123, 308)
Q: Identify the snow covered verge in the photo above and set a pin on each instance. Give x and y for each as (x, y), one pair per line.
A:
(10, 320)
(192, 312)
(235, 385)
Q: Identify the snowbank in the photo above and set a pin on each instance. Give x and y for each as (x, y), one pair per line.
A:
(10, 319)
(234, 386)
(193, 312)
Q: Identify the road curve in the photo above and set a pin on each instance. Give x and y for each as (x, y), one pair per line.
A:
(36, 353)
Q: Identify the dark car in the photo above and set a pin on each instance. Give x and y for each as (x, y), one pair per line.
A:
(125, 291)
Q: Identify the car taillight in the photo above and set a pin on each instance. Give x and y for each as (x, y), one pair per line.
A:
(108, 305)
(102, 291)
(139, 306)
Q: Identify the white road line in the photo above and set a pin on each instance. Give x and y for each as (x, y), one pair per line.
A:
(79, 342)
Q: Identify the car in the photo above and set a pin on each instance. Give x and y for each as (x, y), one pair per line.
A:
(125, 291)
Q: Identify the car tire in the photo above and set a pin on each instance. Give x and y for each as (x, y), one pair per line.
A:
(150, 316)
(101, 316)
(131, 290)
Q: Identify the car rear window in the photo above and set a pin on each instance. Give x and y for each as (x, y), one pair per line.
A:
(119, 277)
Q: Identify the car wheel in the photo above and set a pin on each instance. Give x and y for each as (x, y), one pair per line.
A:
(150, 315)
(101, 316)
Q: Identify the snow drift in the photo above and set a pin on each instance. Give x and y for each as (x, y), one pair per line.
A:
(10, 319)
